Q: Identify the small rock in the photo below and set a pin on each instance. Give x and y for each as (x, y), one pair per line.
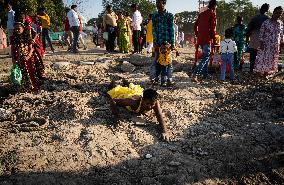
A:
(57, 137)
(60, 64)
(127, 67)
(148, 156)
(86, 63)
(148, 180)
(140, 60)
(174, 163)
(4, 114)
(219, 95)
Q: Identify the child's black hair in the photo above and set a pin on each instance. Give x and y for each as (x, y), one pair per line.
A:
(150, 94)
(73, 6)
(264, 8)
(163, 1)
(134, 5)
(212, 3)
(278, 8)
(239, 19)
(229, 33)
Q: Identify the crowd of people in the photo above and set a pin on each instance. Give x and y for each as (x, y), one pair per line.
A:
(160, 35)
(263, 35)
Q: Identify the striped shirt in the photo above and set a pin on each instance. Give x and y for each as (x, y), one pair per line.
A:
(163, 28)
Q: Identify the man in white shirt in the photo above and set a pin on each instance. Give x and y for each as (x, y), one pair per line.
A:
(10, 21)
(74, 23)
(181, 38)
(136, 27)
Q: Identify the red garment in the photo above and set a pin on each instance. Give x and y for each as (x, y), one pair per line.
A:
(205, 27)
(81, 26)
(66, 24)
(31, 68)
(38, 47)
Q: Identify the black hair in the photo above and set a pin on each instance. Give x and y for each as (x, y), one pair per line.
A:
(212, 3)
(278, 8)
(229, 33)
(150, 16)
(20, 15)
(67, 9)
(73, 6)
(42, 9)
(239, 19)
(150, 94)
(163, 1)
(264, 8)
(134, 5)
(127, 14)
(108, 7)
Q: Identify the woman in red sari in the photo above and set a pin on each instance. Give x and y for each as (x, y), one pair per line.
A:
(25, 55)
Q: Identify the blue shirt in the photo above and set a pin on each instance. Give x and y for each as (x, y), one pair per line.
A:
(10, 22)
(163, 28)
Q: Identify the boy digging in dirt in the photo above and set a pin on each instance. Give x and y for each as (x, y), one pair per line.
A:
(136, 100)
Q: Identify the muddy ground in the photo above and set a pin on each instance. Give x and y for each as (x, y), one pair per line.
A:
(222, 133)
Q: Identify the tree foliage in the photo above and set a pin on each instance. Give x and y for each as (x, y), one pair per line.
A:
(227, 13)
(145, 6)
(186, 20)
(54, 8)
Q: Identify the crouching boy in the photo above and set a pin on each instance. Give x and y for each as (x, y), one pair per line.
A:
(139, 101)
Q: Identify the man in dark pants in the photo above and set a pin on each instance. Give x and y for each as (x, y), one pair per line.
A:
(136, 27)
(74, 26)
(45, 21)
(253, 31)
(110, 26)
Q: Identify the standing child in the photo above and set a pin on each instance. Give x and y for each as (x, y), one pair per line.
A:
(239, 37)
(122, 26)
(164, 65)
(163, 32)
(25, 56)
(227, 48)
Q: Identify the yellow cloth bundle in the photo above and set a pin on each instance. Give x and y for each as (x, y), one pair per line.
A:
(120, 92)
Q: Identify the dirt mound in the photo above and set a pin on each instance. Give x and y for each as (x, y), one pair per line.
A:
(222, 133)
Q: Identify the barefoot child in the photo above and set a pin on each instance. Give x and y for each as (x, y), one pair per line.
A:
(23, 54)
(137, 100)
(227, 48)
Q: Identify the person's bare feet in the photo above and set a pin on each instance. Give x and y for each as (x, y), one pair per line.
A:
(194, 79)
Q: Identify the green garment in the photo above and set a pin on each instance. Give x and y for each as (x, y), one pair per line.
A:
(239, 37)
(123, 38)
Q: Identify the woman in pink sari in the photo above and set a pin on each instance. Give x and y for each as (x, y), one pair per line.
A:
(271, 36)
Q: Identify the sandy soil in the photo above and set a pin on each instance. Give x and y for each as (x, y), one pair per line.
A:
(222, 133)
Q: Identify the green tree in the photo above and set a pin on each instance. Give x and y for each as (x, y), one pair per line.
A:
(54, 8)
(145, 6)
(228, 12)
(186, 20)
(225, 16)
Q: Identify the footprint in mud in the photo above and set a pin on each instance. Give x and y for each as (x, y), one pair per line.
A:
(29, 125)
